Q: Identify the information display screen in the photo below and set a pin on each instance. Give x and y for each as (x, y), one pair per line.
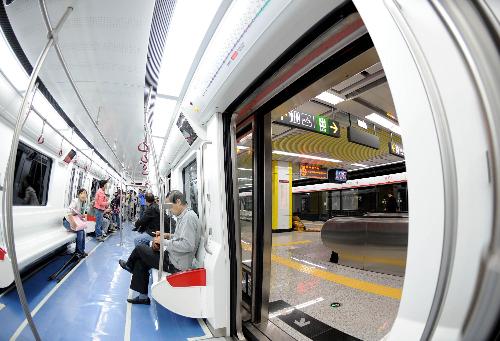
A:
(337, 175)
(317, 124)
(313, 171)
(186, 129)
(70, 156)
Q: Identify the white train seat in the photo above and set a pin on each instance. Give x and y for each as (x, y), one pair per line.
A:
(36, 235)
(185, 293)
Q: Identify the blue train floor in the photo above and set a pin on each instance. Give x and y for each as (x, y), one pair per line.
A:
(90, 303)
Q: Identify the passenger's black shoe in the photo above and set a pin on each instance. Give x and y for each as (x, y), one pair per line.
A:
(124, 266)
(138, 300)
(81, 255)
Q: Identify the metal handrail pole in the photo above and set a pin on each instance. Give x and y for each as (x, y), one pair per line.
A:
(120, 215)
(203, 201)
(158, 182)
(52, 32)
(8, 194)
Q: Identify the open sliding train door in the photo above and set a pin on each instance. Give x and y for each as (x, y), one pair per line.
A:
(441, 73)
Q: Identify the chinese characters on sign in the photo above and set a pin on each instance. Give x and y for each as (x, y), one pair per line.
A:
(396, 149)
(313, 171)
(317, 124)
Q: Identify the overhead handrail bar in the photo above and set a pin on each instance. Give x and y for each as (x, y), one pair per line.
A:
(9, 176)
(161, 195)
(52, 32)
(57, 131)
(203, 199)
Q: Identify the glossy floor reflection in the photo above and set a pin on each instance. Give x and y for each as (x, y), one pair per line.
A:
(91, 303)
(303, 277)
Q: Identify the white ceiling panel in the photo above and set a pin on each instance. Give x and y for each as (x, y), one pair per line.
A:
(105, 47)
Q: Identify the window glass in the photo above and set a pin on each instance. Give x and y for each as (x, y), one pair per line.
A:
(244, 172)
(190, 176)
(71, 186)
(350, 199)
(31, 177)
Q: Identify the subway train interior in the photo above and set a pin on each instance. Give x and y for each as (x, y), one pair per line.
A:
(250, 169)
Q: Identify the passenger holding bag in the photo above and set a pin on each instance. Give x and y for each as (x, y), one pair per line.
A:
(75, 221)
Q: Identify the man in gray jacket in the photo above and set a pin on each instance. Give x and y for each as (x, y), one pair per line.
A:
(180, 249)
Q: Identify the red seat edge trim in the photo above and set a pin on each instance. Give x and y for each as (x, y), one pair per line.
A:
(189, 278)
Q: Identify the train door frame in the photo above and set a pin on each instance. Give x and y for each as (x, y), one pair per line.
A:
(487, 100)
(259, 325)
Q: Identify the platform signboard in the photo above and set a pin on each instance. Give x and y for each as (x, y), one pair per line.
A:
(315, 123)
(396, 149)
(313, 171)
(362, 137)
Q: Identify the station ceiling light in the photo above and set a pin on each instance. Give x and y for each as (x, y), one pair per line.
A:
(242, 147)
(304, 156)
(245, 169)
(330, 98)
(359, 165)
(384, 122)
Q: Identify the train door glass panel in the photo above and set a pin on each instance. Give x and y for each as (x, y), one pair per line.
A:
(350, 200)
(244, 171)
(31, 177)
(190, 178)
(334, 199)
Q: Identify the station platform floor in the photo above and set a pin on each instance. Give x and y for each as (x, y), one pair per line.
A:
(340, 302)
(90, 302)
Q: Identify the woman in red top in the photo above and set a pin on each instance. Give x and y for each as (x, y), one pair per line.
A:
(101, 205)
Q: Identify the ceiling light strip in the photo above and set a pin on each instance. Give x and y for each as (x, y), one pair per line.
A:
(304, 156)
(219, 15)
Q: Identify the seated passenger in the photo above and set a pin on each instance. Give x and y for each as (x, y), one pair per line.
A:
(77, 208)
(180, 249)
(149, 222)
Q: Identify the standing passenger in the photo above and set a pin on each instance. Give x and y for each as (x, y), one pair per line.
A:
(392, 204)
(115, 206)
(142, 202)
(101, 205)
(77, 208)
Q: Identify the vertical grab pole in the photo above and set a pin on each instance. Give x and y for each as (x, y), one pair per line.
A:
(159, 186)
(203, 201)
(120, 215)
(9, 176)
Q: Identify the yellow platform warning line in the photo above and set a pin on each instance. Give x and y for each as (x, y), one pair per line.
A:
(372, 288)
(369, 287)
(380, 260)
(299, 242)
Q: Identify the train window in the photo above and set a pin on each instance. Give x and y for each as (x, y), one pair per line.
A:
(190, 177)
(31, 177)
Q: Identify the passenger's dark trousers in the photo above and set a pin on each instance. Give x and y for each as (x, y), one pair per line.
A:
(141, 260)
